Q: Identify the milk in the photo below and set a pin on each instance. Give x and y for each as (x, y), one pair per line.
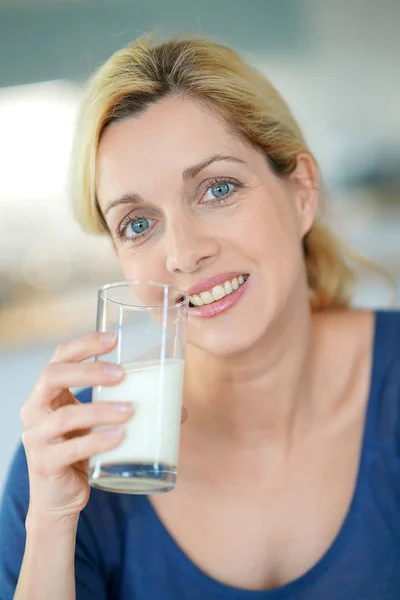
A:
(152, 434)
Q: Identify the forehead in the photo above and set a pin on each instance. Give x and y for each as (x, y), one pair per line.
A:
(162, 142)
(170, 122)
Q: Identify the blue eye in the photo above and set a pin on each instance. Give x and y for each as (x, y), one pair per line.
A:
(138, 226)
(219, 191)
(134, 229)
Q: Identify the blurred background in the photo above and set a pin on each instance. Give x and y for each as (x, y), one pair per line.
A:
(335, 62)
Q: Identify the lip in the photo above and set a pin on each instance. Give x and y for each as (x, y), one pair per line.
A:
(208, 284)
(214, 309)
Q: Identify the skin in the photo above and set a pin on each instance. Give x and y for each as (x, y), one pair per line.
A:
(276, 396)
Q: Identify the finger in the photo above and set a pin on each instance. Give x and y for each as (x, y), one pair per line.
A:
(80, 417)
(31, 413)
(50, 459)
(57, 377)
(93, 344)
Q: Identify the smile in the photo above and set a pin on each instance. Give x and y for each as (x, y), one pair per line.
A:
(218, 291)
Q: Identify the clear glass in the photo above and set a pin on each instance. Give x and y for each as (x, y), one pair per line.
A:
(150, 320)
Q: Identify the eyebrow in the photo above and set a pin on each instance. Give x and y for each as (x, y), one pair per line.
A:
(129, 198)
(194, 170)
(188, 173)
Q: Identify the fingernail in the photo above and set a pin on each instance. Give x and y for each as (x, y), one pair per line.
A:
(113, 370)
(123, 407)
(183, 414)
(108, 337)
(114, 432)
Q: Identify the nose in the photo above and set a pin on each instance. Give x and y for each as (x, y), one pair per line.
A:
(189, 246)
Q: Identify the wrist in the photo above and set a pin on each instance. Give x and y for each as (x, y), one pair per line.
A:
(42, 521)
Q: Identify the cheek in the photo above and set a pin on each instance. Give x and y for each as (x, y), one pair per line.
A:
(270, 238)
(268, 229)
(141, 265)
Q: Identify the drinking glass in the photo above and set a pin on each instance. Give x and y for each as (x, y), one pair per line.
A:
(150, 321)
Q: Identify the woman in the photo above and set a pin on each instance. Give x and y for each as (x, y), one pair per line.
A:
(289, 476)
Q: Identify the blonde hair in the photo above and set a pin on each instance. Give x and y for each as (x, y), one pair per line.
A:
(216, 76)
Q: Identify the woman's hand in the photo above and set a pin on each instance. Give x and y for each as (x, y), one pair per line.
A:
(57, 432)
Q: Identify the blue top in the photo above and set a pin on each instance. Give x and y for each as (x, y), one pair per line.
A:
(124, 552)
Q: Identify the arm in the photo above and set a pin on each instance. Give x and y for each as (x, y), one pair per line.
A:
(49, 573)
(57, 490)
(57, 544)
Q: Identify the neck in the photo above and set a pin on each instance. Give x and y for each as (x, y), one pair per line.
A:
(264, 390)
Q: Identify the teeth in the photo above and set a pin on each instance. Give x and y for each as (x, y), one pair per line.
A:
(206, 297)
(218, 291)
(228, 287)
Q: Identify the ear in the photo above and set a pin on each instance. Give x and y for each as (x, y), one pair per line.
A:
(305, 190)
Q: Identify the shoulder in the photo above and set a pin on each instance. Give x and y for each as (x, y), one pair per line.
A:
(360, 331)
(376, 338)
(363, 354)
(377, 335)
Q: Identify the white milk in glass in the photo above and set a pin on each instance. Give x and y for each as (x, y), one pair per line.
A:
(152, 434)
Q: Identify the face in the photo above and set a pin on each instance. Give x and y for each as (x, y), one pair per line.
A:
(190, 204)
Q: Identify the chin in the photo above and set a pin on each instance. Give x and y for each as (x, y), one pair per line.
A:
(223, 347)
